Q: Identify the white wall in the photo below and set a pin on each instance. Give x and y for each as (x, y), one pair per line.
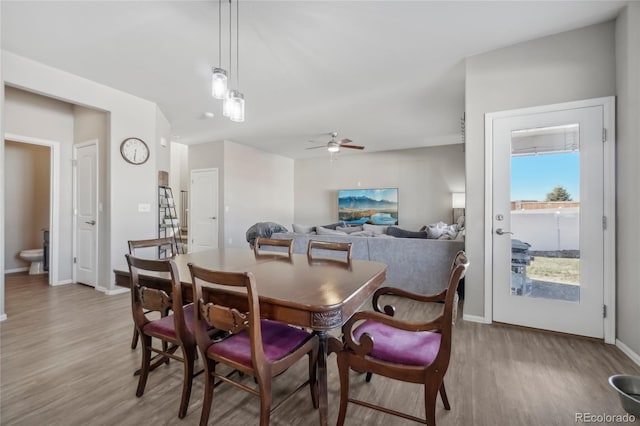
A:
(628, 174)
(425, 178)
(54, 123)
(179, 176)
(208, 156)
(27, 199)
(131, 116)
(255, 186)
(570, 66)
(90, 124)
(258, 187)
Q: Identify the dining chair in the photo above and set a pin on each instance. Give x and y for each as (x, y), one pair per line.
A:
(176, 330)
(323, 247)
(166, 247)
(272, 242)
(415, 352)
(257, 347)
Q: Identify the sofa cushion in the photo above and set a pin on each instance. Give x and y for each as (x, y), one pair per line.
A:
(303, 229)
(334, 225)
(376, 229)
(349, 229)
(321, 230)
(394, 231)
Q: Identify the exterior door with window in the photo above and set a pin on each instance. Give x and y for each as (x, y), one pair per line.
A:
(548, 229)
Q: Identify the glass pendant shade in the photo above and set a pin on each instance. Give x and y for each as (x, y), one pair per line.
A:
(226, 108)
(218, 83)
(236, 106)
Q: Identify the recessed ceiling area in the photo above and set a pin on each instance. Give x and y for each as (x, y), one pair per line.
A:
(389, 74)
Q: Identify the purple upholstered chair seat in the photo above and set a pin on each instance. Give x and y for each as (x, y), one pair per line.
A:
(400, 346)
(165, 325)
(278, 340)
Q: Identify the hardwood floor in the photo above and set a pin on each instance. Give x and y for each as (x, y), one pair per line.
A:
(65, 360)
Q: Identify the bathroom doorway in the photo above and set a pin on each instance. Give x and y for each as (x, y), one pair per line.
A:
(27, 190)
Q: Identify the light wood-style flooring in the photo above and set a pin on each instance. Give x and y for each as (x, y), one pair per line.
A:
(66, 360)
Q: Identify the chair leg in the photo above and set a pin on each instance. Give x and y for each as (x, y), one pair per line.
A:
(343, 370)
(134, 339)
(430, 395)
(209, 367)
(189, 359)
(313, 378)
(265, 401)
(443, 395)
(368, 377)
(146, 361)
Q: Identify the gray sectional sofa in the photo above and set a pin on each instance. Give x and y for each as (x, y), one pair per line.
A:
(416, 264)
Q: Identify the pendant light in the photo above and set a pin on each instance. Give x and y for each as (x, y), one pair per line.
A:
(236, 99)
(219, 76)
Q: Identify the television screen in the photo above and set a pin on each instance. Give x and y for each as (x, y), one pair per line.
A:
(375, 206)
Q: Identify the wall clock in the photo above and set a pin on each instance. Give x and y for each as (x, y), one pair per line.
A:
(134, 151)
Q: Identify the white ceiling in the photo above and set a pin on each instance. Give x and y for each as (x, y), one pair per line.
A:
(386, 74)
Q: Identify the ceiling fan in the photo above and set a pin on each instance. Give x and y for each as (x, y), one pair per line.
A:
(333, 146)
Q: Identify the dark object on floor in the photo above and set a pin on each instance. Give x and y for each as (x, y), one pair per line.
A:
(263, 229)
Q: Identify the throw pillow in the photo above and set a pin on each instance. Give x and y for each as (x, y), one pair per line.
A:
(376, 229)
(321, 230)
(334, 225)
(403, 233)
(303, 229)
(349, 229)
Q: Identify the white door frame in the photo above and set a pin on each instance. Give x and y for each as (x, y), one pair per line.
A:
(609, 139)
(74, 249)
(54, 199)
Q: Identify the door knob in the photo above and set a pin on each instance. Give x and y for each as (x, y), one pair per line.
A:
(213, 217)
(500, 231)
(91, 222)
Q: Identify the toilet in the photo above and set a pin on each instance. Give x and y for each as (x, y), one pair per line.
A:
(36, 257)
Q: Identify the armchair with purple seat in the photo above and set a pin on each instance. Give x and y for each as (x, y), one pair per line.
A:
(417, 352)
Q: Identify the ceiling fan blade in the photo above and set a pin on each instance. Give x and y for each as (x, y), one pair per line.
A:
(352, 146)
(344, 141)
(315, 147)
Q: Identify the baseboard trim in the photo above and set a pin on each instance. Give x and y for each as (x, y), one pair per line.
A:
(63, 282)
(628, 351)
(112, 292)
(14, 270)
(3, 317)
(475, 318)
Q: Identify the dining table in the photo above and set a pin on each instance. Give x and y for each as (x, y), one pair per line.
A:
(319, 294)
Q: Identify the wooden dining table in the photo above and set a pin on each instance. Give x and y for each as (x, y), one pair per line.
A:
(318, 294)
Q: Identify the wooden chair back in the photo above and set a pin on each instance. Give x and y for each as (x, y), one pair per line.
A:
(272, 242)
(330, 246)
(167, 247)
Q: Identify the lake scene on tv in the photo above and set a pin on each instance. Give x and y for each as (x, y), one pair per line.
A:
(374, 206)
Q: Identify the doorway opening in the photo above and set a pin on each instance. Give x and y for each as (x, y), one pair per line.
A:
(51, 191)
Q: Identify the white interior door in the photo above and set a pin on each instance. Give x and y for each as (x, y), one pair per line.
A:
(203, 210)
(86, 213)
(548, 252)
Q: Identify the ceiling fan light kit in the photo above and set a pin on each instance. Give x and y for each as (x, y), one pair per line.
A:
(333, 146)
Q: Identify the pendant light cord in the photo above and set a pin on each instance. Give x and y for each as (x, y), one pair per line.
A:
(219, 33)
(238, 44)
(230, 62)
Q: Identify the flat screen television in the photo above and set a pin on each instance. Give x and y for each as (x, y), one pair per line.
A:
(375, 206)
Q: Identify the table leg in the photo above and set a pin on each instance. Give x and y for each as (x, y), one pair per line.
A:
(323, 390)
